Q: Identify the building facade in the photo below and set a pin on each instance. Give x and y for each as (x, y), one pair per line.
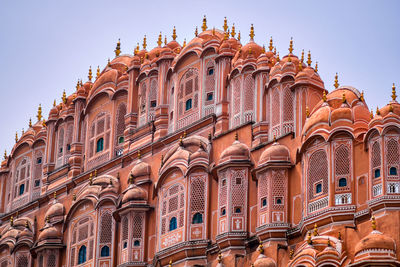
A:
(210, 153)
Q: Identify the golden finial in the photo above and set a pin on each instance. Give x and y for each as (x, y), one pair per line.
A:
(315, 229)
(377, 111)
(271, 44)
(204, 26)
(225, 27)
(77, 85)
(390, 108)
(174, 34)
(44, 123)
(81, 83)
(95, 173)
(275, 50)
(250, 50)
(371, 114)
(260, 249)
(340, 236)
(291, 45)
(47, 219)
(23, 131)
(289, 59)
(16, 137)
(263, 49)
(5, 154)
(170, 263)
(373, 223)
(39, 113)
(233, 33)
(226, 35)
(108, 62)
(98, 72)
(181, 141)
(64, 97)
(309, 241)
(324, 96)
(137, 49)
(362, 96)
(219, 257)
(144, 42)
(328, 243)
(159, 41)
(277, 58)
(307, 112)
(90, 179)
(130, 179)
(309, 58)
(139, 155)
(238, 36)
(251, 33)
(118, 48)
(26, 225)
(54, 103)
(55, 194)
(196, 32)
(300, 65)
(90, 74)
(236, 136)
(184, 43)
(394, 96)
(343, 98)
(316, 66)
(291, 253)
(213, 31)
(336, 84)
(12, 221)
(74, 197)
(30, 122)
(184, 134)
(274, 138)
(302, 56)
(162, 160)
(165, 40)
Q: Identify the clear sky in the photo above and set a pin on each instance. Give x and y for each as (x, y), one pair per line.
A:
(46, 46)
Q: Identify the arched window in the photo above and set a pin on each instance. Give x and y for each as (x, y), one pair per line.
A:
(342, 182)
(22, 177)
(100, 145)
(136, 243)
(120, 124)
(21, 189)
(248, 102)
(197, 218)
(393, 171)
(105, 251)
(317, 174)
(152, 99)
(238, 210)
(287, 109)
(188, 98)
(377, 173)
(318, 188)
(172, 224)
(223, 211)
(82, 255)
(188, 104)
(376, 159)
(209, 89)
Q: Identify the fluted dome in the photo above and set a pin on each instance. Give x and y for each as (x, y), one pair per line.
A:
(140, 169)
(57, 209)
(276, 152)
(236, 151)
(134, 193)
(50, 232)
(264, 261)
(375, 240)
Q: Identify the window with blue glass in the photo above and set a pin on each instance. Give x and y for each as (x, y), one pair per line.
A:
(21, 189)
(342, 182)
(82, 255)
(188, 104)
(318, 188)
(197, 218)
(223, 211)
(263, 202)
(393, 171)
(105, 251)
(209, 96)
(100, 145)
(136, 243)
(377, 173)
(172, 224)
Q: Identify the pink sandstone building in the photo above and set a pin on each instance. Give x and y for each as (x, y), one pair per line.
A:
(210, 153)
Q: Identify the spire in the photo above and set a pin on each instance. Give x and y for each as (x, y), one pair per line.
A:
(271, 44)
(394, 96)
(300, 65)
(251, 33)
(196, 32)
(302, 56)
(307, 112)
(118, 48)
(226, 35)
(291, 45)
(159, 41)
(137, 49)
(373, 223)
(204, 26)
(55, 195)
(108, 62)
(238, 36)
(225, 27)
(344, 98)
(139, 155)
(5, 154)
(219, 257)
(362, 96)
(30, 122)
(289, 58)
(309, 58)
(390, 107)
(16, 137)
(309, 241)
(184, 43)
(170, 263)
(174, 34)
(324, 96)
(54, 103)
(378, 111)
(12, 221)
(144, 42)
(316, 66)
(263, 49)
(90, 179)
(213, 31)
(77, 85)
(277, 57)
(39, 113)
(64, 98)
(260, 249)
(165, 40)
(336, 84)
(315, 229)
(236, 136)
(233, 33)
(371, 114)
(90, 74)
(98, 72)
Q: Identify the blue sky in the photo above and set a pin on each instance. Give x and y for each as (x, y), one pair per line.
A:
(45, 46)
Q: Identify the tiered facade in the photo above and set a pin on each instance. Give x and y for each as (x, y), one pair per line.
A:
(210, 153)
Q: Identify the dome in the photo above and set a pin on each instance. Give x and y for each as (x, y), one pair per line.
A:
(264, 261)
(309, 75)
(134, 193)
(236, 151)
(57, 209)
(393, 107)
(141, 168)
(50, 232)
(375, 240)
(276, 152)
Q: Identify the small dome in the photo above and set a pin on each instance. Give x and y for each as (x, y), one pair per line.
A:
(276, 152)
(140, 169)
(236, 151)
(50, 232)
(57, 209)
(264, 261)
(134, 193)
(375, 240)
